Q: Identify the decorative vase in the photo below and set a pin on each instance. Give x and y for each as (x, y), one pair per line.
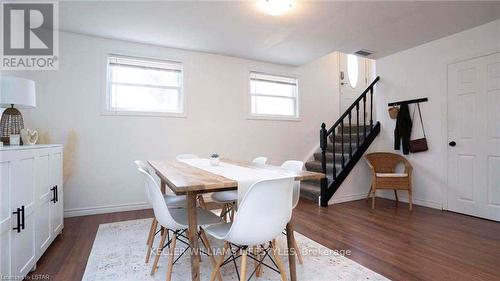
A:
(214, 161)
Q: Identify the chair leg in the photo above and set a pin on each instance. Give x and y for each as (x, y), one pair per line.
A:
(171, 255)
(243, 271)
(209, 250)
(256, 263)
(231, 215)
(277, 258)
(223, 212)
(410, 199)
(373, 199)
(216, 270)
(151, 238)
(369, 192)
(158, 251)
(297, 251)
(202, 201)
(396, 195)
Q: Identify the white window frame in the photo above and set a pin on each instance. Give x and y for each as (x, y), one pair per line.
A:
(251, 115)
(107, 110)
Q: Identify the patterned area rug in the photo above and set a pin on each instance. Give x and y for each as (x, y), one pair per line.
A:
(120, 248)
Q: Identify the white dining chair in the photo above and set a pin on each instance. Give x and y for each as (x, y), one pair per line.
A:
(260, 160)
(264, 211)
(229, 198)
(295, 166)
(172, 201)
(175, 220)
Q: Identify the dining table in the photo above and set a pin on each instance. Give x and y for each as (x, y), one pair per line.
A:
(185, 179)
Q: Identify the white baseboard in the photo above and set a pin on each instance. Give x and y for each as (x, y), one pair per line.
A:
(419, 202)
(347, 198)
(77, 212)
(354, 197)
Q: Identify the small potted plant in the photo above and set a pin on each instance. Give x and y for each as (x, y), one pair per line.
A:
(214, 159)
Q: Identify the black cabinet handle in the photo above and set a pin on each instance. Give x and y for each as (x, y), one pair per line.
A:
(54, 194)
(57, 193)
(452, 143)
(22, 218)
(18, 213)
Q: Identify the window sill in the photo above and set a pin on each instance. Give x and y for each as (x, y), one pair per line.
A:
(144, 114)
(274, 118)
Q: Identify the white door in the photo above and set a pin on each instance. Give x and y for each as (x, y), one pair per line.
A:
(355, 75)
(56, 182)
(44, 196)
(353, 79)
(6, 175)
(474, 137)
(23, 243)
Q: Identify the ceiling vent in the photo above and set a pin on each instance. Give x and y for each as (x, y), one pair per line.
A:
(363, 53)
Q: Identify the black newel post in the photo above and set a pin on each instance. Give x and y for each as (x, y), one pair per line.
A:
(323, 143)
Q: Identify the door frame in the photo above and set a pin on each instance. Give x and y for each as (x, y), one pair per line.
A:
(470, 56)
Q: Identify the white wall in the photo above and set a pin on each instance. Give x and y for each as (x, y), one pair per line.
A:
(99, 150)
(422, 72)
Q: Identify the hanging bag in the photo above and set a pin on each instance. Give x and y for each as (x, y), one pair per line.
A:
(393, 112)
(419, 145)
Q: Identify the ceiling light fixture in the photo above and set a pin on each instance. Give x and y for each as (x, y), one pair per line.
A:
(275, 7)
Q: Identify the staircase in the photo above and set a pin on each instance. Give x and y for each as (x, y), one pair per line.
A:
(341, 147)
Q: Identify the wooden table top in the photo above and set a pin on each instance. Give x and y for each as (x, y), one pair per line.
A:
(183, 178)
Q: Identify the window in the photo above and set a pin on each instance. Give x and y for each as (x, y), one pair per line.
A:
(273, 96)
(352, 70)
(144, 86)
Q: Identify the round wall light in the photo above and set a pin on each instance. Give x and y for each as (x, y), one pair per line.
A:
(275, 7)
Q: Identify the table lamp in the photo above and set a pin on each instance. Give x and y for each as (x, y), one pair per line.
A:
(18, 92)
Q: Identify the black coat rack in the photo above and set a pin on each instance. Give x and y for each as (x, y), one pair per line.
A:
(408, 101)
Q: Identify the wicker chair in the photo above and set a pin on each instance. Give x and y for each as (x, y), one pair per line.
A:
(384, 176)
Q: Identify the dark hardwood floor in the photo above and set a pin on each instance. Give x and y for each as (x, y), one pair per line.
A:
(425, 244)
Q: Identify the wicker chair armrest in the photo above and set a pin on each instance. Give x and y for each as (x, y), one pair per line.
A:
(408, 167)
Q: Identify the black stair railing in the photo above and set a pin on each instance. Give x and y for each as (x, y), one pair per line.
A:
(330, 184)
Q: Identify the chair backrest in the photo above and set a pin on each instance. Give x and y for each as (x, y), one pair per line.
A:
(295, 166)
(386, 162)
(186, 156)
(263, 213)
(141, 164)
(260, 160)
(144, 166)
(160, 208)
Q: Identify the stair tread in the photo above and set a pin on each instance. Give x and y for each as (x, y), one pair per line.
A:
(315, 166)
(329, 156)
(310, 191)
(318, 163)
(310, 186)
(338, 147)
(354, 138)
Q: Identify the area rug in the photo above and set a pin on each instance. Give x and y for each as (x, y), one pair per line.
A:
(120, 248)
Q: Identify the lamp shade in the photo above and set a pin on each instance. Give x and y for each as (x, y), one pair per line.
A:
(17, 91)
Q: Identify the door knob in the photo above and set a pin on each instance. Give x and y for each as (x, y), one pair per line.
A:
(452, 143)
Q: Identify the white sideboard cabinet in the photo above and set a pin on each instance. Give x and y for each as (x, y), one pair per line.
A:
(31, 205)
